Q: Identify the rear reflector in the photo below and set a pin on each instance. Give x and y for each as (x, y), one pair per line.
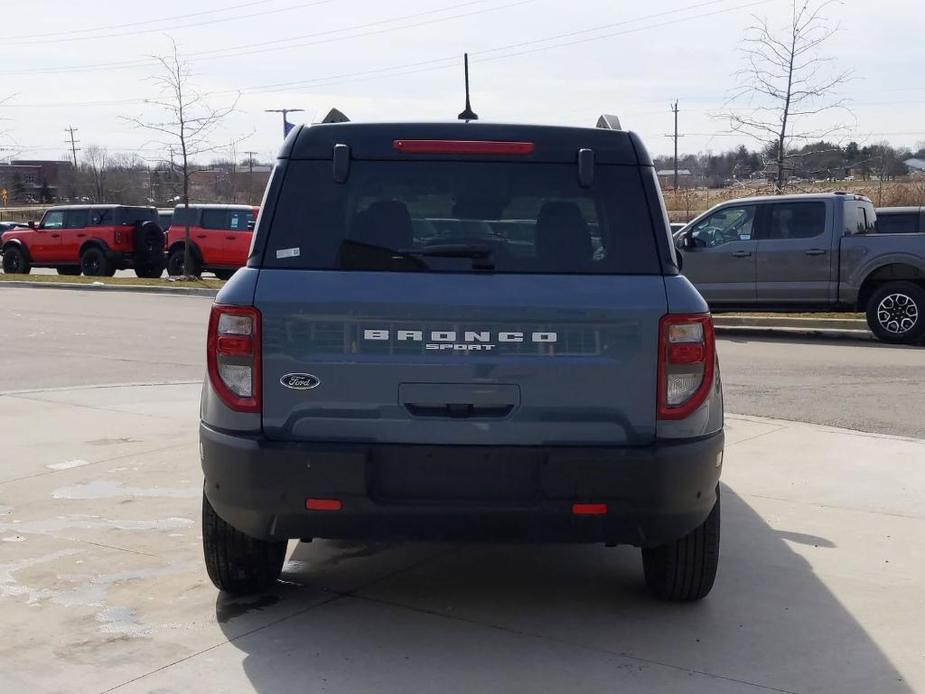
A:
(323, 504)
(589, 509)
(462, 147)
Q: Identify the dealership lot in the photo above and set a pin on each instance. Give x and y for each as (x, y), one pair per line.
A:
(102, 583)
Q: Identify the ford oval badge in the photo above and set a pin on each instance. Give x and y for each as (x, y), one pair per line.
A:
(300, 381)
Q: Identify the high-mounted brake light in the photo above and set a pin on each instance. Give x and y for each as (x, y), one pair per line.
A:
(686, 361)
(233, 356)
(462, 147)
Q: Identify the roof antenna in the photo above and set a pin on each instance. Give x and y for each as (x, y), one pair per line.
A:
(468, 113)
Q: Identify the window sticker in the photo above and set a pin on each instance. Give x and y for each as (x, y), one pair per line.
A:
(287, 253)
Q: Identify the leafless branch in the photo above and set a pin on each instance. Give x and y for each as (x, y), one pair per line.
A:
(785, 81)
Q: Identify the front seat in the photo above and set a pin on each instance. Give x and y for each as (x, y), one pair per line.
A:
(563, 240)
(385, 223)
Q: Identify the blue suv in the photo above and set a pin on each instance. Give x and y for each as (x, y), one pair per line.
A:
(462, 331)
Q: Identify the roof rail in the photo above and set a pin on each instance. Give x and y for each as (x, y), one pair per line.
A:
(609, 122)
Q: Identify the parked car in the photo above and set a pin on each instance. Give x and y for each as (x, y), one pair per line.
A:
(220, 237)
(900, 220)
(10, 226)
(808, 252)
(389, 366)
(96, 240)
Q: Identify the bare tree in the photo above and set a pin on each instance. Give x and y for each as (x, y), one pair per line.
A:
(95, 165)
(188, 124)
(786, 81)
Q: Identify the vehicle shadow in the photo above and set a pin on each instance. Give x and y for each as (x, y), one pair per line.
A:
(467, 618)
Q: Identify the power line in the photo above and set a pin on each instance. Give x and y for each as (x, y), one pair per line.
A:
(273, 46)
(450, 61)
(180, 27)
(109, 27)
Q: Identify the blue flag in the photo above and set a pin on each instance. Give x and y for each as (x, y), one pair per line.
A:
(287, 126)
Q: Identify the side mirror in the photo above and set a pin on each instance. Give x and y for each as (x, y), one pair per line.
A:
(31, 224)
(680, 257)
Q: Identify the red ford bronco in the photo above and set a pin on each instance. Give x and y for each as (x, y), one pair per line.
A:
(95, 240)
(220, 238)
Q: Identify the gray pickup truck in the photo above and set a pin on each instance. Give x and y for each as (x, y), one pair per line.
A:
(813, 252)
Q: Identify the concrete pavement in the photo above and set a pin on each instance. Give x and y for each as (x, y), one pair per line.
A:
(102, 586)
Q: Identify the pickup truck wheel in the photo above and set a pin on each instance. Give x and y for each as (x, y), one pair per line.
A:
(684, 570)
(14, 261)
(175, 265)
(69, 270)
(896, 312)
(94, 263)
(238, 563)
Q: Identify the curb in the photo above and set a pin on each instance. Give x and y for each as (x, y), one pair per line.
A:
(830, 328)
(137, 288)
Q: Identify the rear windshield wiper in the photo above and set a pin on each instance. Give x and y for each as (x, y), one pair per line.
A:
(357, 255)
(481, 254)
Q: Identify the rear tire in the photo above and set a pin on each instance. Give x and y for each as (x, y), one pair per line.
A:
(175, 264)
(150, 271)
(684, 570)
(896, 312)
(94, 263)
(69, 271)
(224, 274)
(238, 563)
(15, 261)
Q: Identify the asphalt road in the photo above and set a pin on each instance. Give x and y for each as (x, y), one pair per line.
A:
(53, 338)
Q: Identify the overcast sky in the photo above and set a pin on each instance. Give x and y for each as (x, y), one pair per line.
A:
(86, 64)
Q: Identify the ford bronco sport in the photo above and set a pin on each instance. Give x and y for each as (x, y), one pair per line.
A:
(462, 331)
(96, 240)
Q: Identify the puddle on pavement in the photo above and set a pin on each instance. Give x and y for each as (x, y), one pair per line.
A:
(67, 464)
(225, 611)
(113, 442)
(110, 489)
(54, 525)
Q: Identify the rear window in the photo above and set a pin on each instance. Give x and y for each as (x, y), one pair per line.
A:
(902, 223)
(462, 217)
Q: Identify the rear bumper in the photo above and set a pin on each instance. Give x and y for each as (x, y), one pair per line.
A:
(653, 494)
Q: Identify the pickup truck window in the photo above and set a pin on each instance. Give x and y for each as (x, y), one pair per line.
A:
(904, 223)
(794, 220)
(456, 216)
(724, 226)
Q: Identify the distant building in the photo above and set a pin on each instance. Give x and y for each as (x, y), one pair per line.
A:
(916, 166)
(23, 179)
(666, 177)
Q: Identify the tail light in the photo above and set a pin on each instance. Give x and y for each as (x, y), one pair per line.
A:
(233, 357)
(686, 361)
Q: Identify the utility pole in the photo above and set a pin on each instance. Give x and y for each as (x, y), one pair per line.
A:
(674, 110)
(74, 149)
(284, 111)
(250, 175)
